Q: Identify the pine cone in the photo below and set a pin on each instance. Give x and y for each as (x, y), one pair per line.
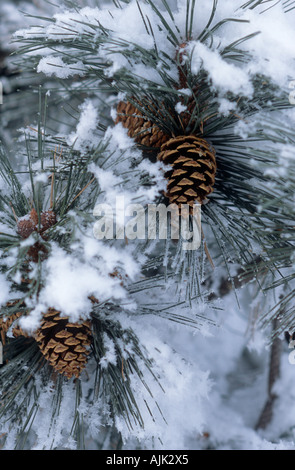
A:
(8, 321)
(193, 169)
(148, 134)
(5, 324)
(36, 252)
(48, 219)
(28, 224)
(64, 344)
(141, 129)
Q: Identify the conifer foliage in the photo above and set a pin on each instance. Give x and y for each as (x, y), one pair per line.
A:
(150, 103)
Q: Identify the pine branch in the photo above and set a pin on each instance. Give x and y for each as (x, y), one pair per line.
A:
(274, 373)
(247, 221)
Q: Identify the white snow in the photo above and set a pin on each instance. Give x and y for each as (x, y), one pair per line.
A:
(179, 107)
(225, 76)
(110, 356)
(72, 280)
(4, 289)
(272, 49)
(51, 65)
(213, 381)
(86, 127)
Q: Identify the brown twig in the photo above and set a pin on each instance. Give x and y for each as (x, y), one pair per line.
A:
(82, 190)
(274, 373)
(207, 251)
(13, 211)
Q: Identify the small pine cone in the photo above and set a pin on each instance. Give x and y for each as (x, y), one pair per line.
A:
(5, 324)
(48, 219)
(141, 129)
(28, 224)
(193, 170)
(8, 321)
(36, 252)
(64, 344)
(18, 331)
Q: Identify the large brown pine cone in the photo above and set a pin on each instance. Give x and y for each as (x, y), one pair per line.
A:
(193, 163)
(141, 129)
(64, 344)
(147, 134)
